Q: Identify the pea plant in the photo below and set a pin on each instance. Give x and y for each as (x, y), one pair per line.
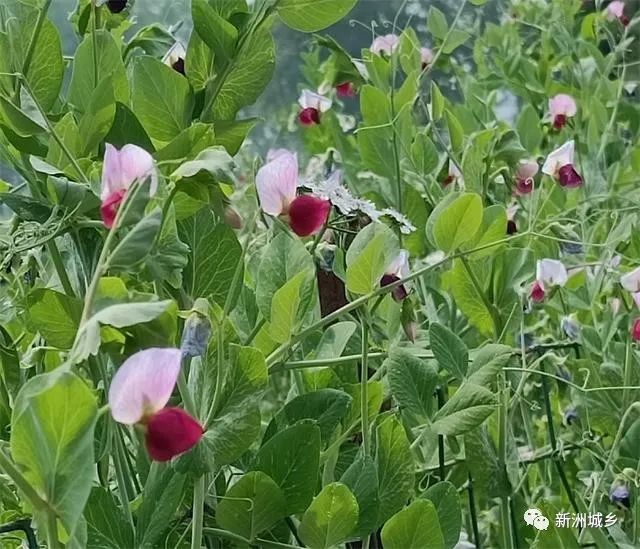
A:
(417, 328)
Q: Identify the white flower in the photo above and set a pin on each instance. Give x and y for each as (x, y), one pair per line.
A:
(563, 156)
(551, 272)
(312, 100)
(631, 280)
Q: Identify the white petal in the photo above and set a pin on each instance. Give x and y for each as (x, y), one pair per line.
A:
(560, 157)
(551, 272)
(631, 281)
(309, 99)
(276, 182)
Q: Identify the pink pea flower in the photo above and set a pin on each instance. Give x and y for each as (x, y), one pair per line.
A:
(175, 57)
(120, 170)
(537, 293)
(549, 273)
(453, 176)
(635, 330)
(631, 281)
(139, 393)
(397, 270)
(525, 174)
(346, 89)
(615, 10)
(426, 55)
(386, 44)
(559, 165)
(276, 184)
(562, 107)
(312, 106)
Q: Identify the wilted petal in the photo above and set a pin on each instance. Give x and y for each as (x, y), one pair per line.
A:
(171, 432)
(276, 182)
(562, 156)
(631, 280)
(143, 384)
(551, 272)
(385, 44)
(313, 100)
(308, 214)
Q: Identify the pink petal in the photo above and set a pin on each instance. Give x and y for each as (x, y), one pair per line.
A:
(635, 330)
(569, 177)
(346, 89)
(426, 55)
(537, 292)
(615, 10)
(527, 169)
(562, 104)
(308, 214)
(136, 163)
(143, 384)
(636, 299)
(385, 44)
(111, 173)
(276, 182)
(400, 265)
(109, 207)
(559, 121)
(171, 432)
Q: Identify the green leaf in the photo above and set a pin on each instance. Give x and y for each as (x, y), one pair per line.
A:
(199, 63)
(69, 133)
(370, 253)
(331, 518)
(55, 315)
(107, 526)
(247, 77)
(455, 40)
(456, 131)
(291, 458)
(97, 121)
(313, 15)
(52, 441)
(230, 134)
(134, 248)
(282, 260)
(251, 505)
(493, 229)
(529, 128)
(416, 527)
(449, 350)
(424, 154)
(444, 496)
(412, 382)
(362, 479)
(162, 99)
(488, 362)
(213, 259)
(394, 462)
(18, 120)
(458, 222)
(474, 158)
(168, 258)
(285, 307)
(437, 102)
(469, 406)
(214, 160)
(126, 128)
(437, 23)
(25, 207)
(109, 68)
(162, 495)
(220, 35)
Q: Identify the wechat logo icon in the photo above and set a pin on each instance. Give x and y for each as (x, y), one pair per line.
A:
(535, 518)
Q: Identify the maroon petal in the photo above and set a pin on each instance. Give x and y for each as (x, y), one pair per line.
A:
(635, 330)
(178, 66)
(399, 292)
(569, 177)
(109, 208)
(116, 6)
(309, 116)
(512, 228)
(448, 180)
(537, 292)
(346, 89)
(171, 432)
(560, 121)
(524, 186)
(308, 214)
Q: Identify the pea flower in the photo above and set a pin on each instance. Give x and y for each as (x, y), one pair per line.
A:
(619, 495)
(116, 6)
(527, 170)
(276, 184)
(453, 176)
(175, 57)
(426, 56)
(346, 89)
(386, 44)
(138, 395)
(313, 105)
(615, 10)
(559, 165)
(631, 280)
(512, 211)
(562, 107)
(570, 327)
(397, 270)
(570, 415)
(120, 170)
(549, 273)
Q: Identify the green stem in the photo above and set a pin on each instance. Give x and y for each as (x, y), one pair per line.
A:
(52, 531)
(22, 483)
(628, 375)
(198, 513)
(119, 466)
(441, 457)
(255, 331)
(505, 517)
(364, 385)
(59, 266)
(473, 514)
(183, 389)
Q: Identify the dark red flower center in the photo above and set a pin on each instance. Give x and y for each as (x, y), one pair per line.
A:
(309, 116)
(448, 180)
(346, 89)
(537, 292)
(308, 214)
(171, 432)
(524, 186)
(635, 330)
(512, 228)
(560, 121)
(109, 208)
(178, 66)
(569, 177)
(399, 292)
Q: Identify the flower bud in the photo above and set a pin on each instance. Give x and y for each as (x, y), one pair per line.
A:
(195, 336)
(232, 218)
